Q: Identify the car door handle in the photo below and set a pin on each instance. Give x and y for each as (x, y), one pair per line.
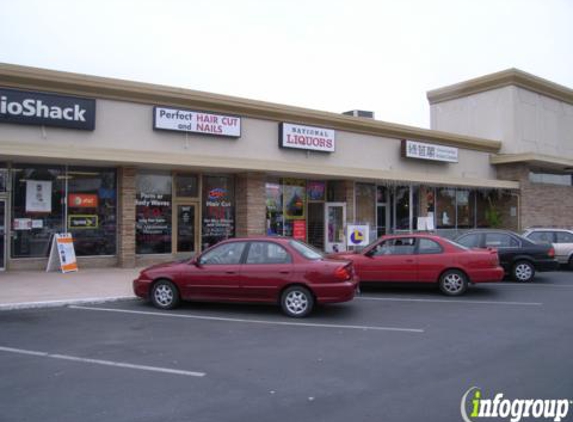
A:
(230, 272)
(410, 261)
(284, 272)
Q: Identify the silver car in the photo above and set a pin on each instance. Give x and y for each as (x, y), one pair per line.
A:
(562, 240)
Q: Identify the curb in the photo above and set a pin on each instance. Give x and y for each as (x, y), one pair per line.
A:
(63, 302)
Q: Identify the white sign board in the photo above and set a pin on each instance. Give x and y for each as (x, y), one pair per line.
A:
(196, 122)
(306, 137)
(62, 247)
(38, 196)
(358, 234)
(423, 151)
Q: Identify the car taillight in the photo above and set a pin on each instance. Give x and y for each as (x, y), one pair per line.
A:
(343, 273)
(551, 252)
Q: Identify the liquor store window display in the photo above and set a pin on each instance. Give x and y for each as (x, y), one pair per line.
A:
(286, 208)
(53, 199)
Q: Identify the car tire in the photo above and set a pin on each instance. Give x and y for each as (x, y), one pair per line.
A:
(165, 295)
(523, 271)
(571, 263)
(453, 283)
(297, 301)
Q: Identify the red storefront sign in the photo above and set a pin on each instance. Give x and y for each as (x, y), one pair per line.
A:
(299, 229)
(82, 200)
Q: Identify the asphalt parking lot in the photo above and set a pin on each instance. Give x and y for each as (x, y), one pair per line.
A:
(390, 355)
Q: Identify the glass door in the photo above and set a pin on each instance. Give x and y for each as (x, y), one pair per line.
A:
(2, 234)
(186, 223)
(335, 225)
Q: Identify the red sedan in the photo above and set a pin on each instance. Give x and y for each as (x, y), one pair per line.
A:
(425, 259)
(265, 269)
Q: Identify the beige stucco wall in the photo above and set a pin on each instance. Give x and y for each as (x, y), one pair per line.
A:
(525, 121)
(124, 134)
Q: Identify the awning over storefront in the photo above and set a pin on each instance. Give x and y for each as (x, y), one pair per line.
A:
(232, 164)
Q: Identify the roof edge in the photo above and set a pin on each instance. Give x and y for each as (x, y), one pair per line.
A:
(501, 79)
(24, 77)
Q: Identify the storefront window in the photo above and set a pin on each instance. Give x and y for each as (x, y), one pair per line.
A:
(153, 213)
(425, 200)
(218, 209)
(37, 209)
(446, 217)
(274, 201)
(3, 178)
(402, 207)
(366, 206)
(92, 210)
(294, 201)
(187, 185)
(465, 209)
(316, 194)
(483, 210)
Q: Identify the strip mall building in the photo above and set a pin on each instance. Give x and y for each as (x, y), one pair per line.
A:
(141, 173)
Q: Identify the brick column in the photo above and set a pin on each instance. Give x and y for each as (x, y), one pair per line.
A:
(126, 215)
(250, 201)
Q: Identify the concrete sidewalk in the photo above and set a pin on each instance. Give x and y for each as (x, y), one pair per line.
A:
(33, 289)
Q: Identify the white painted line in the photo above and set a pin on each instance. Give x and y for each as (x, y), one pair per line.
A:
(61, 302)
(103, 362)
(252, 321)
(479, 302)
(531, 284)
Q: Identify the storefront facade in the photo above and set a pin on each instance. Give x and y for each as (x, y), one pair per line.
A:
(139, 173)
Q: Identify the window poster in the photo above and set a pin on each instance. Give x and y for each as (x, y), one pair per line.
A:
(38, 196)
(294, 199)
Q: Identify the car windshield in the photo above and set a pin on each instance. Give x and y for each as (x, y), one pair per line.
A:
(457, 245)
(309, 252)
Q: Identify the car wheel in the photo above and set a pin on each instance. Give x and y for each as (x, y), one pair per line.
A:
(164, 295)
(523, 271)
(297, 301)
(571, 263)
(453, 283)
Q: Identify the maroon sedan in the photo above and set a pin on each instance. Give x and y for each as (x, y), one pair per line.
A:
(425, 259)
(264, 269)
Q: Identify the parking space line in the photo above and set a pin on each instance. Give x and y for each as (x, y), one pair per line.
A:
(568, 286)
(103, 362)
(478, 302)
(253, 321)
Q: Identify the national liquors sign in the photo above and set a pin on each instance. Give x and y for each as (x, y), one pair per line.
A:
(424, 151)
(306, 137)
(196, 122)
(35, 108)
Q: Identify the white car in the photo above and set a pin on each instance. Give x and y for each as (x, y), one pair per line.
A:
(562, 240)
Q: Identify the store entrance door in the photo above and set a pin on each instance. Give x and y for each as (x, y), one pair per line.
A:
(335, 225)
(2, 234)
(186, 223)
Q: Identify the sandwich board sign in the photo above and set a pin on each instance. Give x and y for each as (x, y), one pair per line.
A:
(62, 250)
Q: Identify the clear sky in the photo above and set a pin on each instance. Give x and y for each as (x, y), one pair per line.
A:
(331, 55)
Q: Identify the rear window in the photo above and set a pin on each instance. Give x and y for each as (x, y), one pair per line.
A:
(564, 237)
(541, 237)
(469, 241)
(306, 250)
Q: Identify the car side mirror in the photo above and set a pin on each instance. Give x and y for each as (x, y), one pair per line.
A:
(198, 262)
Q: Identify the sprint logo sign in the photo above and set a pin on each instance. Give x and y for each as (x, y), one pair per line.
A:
(474, 407)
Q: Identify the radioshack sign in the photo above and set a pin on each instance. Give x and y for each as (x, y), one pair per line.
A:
(35, 108)
(196, 122)
(306, 137)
